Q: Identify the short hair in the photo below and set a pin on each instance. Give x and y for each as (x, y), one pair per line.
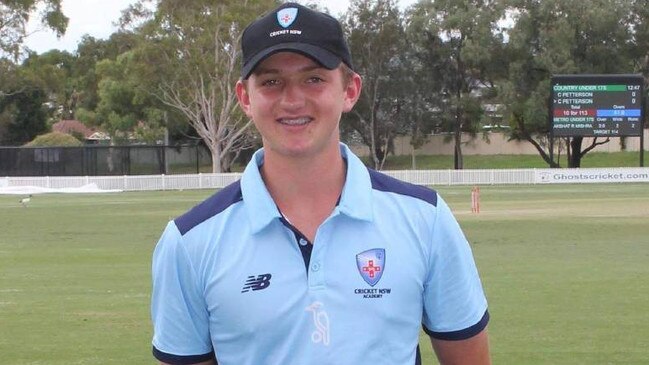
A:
(347, 73)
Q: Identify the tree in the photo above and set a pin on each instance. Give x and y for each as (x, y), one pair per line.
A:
(22, 114)
(84, 81)
(640, 50)
(14, 15)
(469, 50)
(561, 37)
(55, 139)
(376, 39)
(25, 105)
(52, 72)
(123, 106)
(8, 77)
(84, 77)
(192, 51)
(424, 67)
(640, 36)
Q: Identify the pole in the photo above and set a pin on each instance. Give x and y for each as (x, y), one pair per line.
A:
(642, 148)
(166, 144)
(643, 106)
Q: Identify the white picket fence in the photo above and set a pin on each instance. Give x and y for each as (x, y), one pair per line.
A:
(420, 177)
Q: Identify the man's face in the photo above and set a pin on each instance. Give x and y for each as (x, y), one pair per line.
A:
(296, 104)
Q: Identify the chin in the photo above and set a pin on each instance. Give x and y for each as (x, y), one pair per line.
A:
(301, 150)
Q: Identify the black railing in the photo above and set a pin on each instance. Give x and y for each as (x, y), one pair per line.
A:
(104, 160)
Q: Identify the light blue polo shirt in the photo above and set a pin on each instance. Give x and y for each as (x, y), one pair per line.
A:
(232, 279)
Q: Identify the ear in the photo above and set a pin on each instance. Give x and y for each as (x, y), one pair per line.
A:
(352, 92)
(243, 97)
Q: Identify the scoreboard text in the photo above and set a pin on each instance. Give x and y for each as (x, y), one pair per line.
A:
(597, 105)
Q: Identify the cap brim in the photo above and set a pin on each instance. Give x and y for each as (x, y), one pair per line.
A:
(327, 59)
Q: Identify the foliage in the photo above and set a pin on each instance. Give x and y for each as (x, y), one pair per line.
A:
(190, 57)
(423, 80)
(85, 79)
(639, 18)
(465, 35)
(52, 72)
(124, 105)
(561, 37)
(55, 139)
(14, 15)
(440, 66)
(22, 114)
(376, 37)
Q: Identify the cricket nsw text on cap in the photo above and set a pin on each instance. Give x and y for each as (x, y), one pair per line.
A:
(296, 28)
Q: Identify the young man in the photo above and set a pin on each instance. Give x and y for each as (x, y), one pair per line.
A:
(312, 259)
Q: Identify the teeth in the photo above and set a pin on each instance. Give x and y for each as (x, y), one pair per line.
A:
(297, 121)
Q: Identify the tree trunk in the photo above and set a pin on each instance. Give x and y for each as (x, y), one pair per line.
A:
(373, 147)
(414, 158)
(575, 156)
(458, 159)
(458, 162)
(215, 150)
(384, 152)
(520, 125)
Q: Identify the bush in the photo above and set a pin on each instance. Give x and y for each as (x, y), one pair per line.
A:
(54, 139)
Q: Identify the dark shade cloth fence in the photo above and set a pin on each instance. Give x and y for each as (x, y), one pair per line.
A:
(104, 160)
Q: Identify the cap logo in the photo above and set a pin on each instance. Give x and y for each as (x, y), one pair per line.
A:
(286, 17)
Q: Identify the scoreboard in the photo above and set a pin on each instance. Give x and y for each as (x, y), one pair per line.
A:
(597, 105)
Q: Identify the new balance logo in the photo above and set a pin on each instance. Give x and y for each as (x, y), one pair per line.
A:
(257, 283)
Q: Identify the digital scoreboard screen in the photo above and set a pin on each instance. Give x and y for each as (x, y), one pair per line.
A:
(597, 105)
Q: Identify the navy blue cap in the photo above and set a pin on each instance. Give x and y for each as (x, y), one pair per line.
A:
(296, 28)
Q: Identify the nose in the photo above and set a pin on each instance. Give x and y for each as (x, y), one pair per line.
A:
(292, 97)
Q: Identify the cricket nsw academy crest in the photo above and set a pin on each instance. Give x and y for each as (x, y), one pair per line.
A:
(371, 264)
(286, 16)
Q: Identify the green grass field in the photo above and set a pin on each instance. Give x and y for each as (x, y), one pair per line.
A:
(565, 268)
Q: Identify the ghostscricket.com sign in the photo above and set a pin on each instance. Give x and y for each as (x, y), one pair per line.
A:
(579, 176)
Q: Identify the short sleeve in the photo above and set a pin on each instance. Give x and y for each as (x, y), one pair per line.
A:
(455, 307)
(178, 311)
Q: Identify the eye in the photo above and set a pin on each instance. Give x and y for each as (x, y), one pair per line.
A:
(269, 82)
(315, 80)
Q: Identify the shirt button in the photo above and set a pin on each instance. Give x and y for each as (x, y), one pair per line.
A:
(315, 267)
(303, 242)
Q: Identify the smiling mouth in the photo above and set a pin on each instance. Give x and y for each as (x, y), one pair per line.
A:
(295, 121)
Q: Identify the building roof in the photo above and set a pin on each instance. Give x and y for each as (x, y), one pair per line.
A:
(73, 126)
(98, 136)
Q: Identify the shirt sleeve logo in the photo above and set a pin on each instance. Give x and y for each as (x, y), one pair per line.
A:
(257, 283)
(286, 17)
(371, 264)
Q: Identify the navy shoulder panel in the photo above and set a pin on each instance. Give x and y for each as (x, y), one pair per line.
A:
(383, 182)
(210, 207)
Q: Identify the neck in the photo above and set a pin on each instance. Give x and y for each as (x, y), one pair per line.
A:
(306, 190)
(303, 177)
